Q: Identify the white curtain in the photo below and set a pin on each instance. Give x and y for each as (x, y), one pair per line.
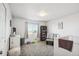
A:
(26, 30)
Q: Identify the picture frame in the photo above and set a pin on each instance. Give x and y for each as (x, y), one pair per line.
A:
(60, 25)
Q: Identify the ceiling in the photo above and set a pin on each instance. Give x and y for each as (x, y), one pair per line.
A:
(53, 10)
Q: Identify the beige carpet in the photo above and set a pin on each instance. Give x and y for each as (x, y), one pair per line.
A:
(37, 49)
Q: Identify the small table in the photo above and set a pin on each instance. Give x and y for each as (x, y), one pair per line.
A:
(49, 41)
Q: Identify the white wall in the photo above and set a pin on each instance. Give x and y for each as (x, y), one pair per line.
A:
(20, 26)
(19, 23)
(70, 25)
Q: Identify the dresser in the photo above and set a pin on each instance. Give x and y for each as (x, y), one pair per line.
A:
(14, 45)
(14, 41)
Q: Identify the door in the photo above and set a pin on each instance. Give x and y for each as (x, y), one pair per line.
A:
(2, 29)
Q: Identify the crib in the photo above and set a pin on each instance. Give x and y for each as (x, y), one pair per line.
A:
(58, 51)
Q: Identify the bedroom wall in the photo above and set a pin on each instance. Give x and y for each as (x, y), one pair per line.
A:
(20, 23)
(20, 26)
(70, 25)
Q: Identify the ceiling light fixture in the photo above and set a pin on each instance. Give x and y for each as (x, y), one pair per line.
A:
(43, 13)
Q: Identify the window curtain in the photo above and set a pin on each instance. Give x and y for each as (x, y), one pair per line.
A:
(26, 30)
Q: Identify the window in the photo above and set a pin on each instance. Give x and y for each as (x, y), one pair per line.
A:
(32, 30)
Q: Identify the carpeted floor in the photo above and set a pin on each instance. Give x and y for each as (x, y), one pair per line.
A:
(37, 49)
